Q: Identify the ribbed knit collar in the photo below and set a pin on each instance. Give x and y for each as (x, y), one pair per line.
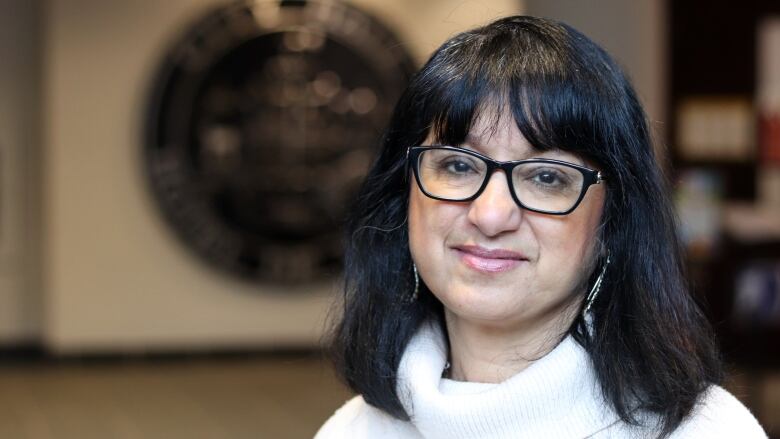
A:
(556, 396)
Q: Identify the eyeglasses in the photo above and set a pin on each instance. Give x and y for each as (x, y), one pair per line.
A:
(541, 185)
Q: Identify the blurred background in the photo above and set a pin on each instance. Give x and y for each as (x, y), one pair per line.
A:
(173, 176)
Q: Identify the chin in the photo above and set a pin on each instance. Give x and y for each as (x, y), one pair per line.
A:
(482, 305)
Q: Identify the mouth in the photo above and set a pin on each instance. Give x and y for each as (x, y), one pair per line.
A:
(489, 260)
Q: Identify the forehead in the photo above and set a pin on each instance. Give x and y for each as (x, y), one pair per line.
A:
(489, 126)
(496, 134)
(495, 131)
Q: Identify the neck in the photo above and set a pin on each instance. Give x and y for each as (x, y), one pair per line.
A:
(558, 396)
(486, 353)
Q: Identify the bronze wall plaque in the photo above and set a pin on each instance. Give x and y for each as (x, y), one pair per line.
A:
(262, 122)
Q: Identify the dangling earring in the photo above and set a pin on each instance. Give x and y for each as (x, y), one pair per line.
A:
(416, 292)
(596, 287)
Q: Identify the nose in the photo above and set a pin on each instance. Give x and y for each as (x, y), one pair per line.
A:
(495, 212)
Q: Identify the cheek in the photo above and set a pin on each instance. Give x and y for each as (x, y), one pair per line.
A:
(592, 218)
(415, 223)
(568, 245)
(430, 224)
(422, 225)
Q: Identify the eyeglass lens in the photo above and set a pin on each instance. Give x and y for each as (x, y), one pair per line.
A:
(455, 176)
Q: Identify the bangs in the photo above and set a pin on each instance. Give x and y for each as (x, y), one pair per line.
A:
(555, 97)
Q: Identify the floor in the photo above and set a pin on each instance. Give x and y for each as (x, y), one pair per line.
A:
(250, 397)
(234, 398)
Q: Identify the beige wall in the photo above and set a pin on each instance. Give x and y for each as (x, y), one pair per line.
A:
(115, 277)
(20, 303)
(634, 32)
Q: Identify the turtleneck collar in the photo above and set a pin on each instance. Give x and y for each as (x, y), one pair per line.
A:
(556, 396)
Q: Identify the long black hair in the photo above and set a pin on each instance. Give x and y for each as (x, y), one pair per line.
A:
(651, 346)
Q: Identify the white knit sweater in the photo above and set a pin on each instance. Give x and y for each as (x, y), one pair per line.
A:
(555, 397)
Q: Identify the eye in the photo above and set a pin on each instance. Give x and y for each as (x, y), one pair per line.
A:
(549, 178)
(451, 165)
(457, 166)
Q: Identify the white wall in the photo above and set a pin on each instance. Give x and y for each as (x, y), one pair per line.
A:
(115, 277)
(20, 318)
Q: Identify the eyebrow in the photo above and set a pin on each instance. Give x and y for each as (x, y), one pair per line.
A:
(472, 142)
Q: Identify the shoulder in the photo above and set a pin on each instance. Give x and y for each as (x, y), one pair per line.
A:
(720, 414)
(357, 419)
(338, 425)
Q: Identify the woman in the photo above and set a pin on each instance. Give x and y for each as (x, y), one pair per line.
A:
(513, 268)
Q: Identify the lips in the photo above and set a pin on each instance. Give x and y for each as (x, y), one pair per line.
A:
(489, 260)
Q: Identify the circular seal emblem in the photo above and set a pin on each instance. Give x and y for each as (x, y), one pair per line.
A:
(261, 126)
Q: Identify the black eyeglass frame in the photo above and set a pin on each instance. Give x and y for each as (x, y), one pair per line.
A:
(590, 176)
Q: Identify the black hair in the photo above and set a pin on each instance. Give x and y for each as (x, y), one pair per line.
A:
(651, 347)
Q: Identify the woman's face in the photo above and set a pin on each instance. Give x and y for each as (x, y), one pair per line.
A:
(490, 261)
